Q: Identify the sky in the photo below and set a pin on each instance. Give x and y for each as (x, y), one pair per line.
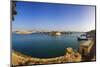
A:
(37, 16)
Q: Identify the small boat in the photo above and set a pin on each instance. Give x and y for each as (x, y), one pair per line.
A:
(83, 37)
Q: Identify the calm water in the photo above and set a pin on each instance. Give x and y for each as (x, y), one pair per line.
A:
(43, 45)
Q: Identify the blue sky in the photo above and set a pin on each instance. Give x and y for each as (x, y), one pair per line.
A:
(37, 16)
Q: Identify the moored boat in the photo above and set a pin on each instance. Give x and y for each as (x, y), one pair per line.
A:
(83, 37)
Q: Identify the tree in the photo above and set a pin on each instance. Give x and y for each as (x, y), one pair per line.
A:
(14, 12)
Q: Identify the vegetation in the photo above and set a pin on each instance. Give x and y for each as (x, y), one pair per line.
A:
(14, 12)
(92, 33)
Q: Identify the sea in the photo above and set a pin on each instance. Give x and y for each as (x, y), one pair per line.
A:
(44, 45)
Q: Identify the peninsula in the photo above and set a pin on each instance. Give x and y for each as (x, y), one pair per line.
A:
(24, 32)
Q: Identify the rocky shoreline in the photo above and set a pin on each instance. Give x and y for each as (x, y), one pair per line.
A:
(21, 59)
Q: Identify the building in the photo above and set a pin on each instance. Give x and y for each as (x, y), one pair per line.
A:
(85, 47)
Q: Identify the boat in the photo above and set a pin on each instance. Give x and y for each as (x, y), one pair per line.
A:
(83, 37)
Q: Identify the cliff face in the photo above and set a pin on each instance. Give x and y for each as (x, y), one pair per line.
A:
(70, 56)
